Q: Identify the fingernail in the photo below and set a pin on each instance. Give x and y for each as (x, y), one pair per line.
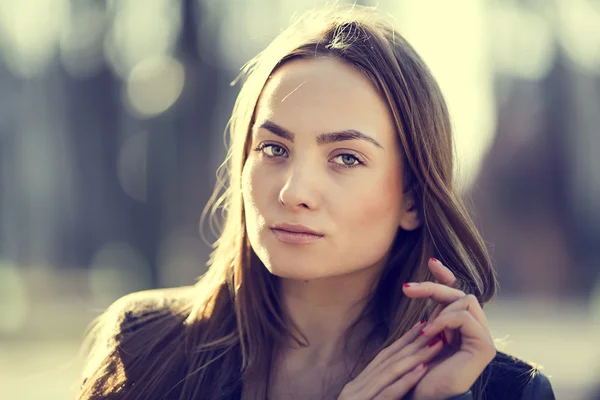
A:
(443, 336)
(434, 341)
(421, 322)
(406, 285)
(420, 367)
(433, 259)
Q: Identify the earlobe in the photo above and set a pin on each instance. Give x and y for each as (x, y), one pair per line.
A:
(410, 218)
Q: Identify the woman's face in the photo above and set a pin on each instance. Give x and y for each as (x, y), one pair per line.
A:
(324, 157)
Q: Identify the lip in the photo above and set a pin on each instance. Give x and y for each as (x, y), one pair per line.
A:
(296, 228)
(295, 234)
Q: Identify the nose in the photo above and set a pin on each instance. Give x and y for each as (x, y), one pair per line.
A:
(299, 190)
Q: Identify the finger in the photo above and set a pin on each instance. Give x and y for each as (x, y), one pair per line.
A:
(420, 344)
(462, 321)
(447, 334)
(468, 303)
(435, 291)
(415, 346)
(441, 273)
(409, 337)
(476, 343)
(471, 304)
(402, 386)
(387, 374)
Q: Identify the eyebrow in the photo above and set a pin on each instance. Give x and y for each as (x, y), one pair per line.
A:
(323, 138)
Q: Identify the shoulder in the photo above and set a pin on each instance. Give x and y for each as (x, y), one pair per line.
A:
(508, 377)
(133, 324)
(137, 332)
(132, 313)
(151, 301)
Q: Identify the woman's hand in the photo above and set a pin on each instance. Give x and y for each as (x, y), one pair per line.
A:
(464, 325)
(395, 370)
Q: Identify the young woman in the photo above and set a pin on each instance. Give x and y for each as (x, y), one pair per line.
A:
(323, 283)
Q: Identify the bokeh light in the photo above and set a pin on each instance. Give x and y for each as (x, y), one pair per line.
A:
(111, 116)
(523, 43)
(154, 85)
(82, 38)
(579, 31)
(138, 33)
(29, 33)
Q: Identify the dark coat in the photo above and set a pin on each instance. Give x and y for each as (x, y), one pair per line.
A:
(505, 378)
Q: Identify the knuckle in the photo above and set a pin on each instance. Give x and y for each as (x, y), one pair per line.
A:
(472, 299)
(349, 388)
(399, 367)
(383, 354)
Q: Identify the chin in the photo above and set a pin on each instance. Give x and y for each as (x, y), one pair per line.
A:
(299, 269)
(287, 273)
(289, 270)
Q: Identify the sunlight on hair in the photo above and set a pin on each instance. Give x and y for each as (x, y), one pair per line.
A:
(14, 303)
(154, 85)
(30, 30)
(116, 270)
(457, 54)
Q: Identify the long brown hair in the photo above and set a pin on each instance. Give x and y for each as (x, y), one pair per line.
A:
(223, 333)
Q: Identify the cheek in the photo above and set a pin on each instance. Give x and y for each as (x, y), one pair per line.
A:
(249, 189)
(255, 192)
(379, 200)
(377, 209)
(371, 221)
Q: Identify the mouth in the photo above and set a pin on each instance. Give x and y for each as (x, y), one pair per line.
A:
(295, 234)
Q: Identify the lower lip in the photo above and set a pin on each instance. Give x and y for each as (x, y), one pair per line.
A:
(295, 237)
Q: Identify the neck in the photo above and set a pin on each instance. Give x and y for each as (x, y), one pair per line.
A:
(322, 310)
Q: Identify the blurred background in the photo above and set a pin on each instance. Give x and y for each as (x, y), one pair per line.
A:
(112, 116)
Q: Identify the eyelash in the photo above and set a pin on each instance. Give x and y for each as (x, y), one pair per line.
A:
(263, 146)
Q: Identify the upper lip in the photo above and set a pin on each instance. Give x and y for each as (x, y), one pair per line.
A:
(296, 228)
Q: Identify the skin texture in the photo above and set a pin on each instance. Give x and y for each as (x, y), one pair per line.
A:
(358, 210)
(444, 367)
(351, 193)
(469, 346)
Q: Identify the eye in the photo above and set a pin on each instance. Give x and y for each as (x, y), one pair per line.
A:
(271, 150)
(347, 160)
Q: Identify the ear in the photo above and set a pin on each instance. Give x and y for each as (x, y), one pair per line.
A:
(410, 217)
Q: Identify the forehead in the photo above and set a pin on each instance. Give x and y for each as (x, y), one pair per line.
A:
(323, 95)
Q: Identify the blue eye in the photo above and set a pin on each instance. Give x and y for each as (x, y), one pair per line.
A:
(347, 160)
(271, 150)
